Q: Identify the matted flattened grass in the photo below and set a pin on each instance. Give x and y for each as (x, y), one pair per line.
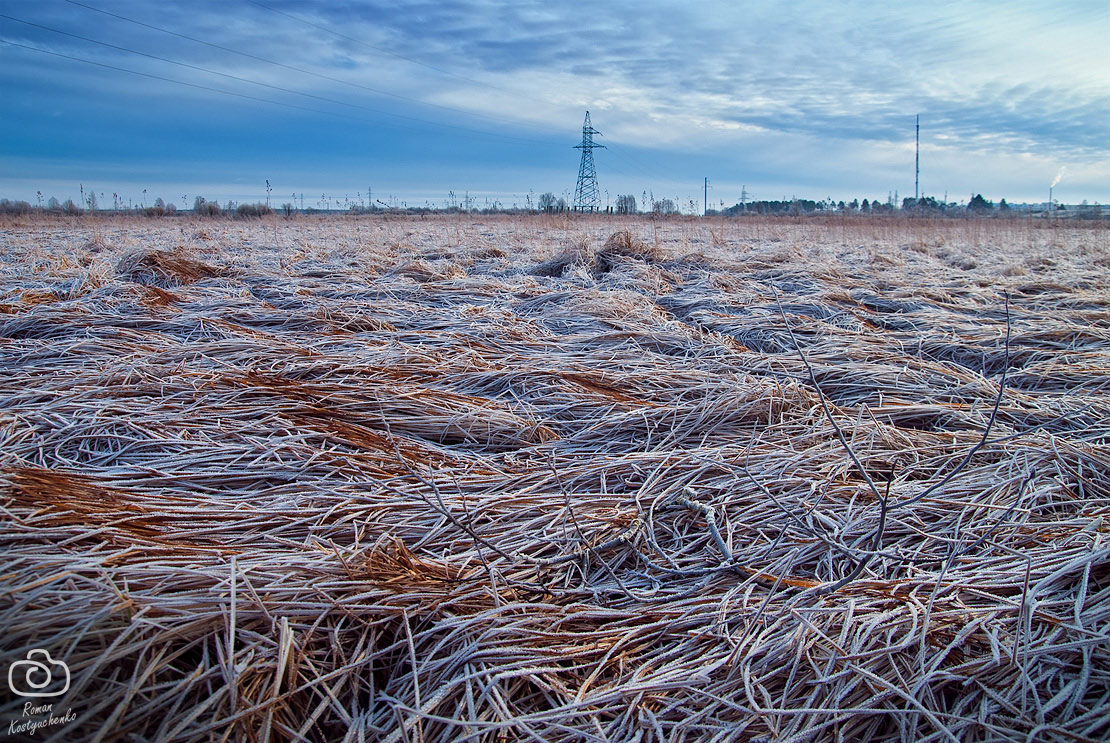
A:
(494, 479)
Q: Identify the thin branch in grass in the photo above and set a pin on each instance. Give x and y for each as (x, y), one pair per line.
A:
(824, 402)
(440, 507)
(986, 431)
(876, 545)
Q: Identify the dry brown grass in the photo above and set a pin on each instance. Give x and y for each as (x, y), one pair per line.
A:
(384, 479)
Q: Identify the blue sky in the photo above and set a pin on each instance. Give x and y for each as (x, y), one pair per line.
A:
(417, 99)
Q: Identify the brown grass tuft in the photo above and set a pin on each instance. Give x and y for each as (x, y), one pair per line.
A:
(622, 243)
(164, 267)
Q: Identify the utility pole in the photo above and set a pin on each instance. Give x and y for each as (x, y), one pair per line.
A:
(705, 198)
(916, 158)
(586, 195)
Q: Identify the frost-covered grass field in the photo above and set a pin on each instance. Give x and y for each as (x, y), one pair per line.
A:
(492, 479)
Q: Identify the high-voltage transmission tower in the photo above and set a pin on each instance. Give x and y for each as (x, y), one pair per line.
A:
(587, 198)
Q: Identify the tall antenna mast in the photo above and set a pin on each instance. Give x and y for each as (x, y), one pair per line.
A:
(916, 157)
(586, 195)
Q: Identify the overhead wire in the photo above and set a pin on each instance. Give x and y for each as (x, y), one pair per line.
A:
(189, 66)
(360, 42)
(168, 79)
(632, 161)
(627, 162)
(622, 153)
(243, 80)
(294, 68)
(211, 89)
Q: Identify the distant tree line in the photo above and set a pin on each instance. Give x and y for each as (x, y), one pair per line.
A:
(8, 206)
(201, 207)
(923, 206)
(549, 203)
(794, 206)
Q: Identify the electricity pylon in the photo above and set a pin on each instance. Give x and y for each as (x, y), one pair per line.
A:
(587, 198)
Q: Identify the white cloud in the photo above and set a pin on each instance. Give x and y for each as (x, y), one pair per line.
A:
(743, 86)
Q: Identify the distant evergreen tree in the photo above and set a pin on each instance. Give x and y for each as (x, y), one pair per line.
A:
(979, 204)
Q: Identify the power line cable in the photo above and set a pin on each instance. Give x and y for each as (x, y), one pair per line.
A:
(251, 97)
(515, 94)
(629, 166)
(617, 154)
(168, 79)
(636, 165)
(186, 64)
(238, 78)
(631, 161)
(294, 68)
